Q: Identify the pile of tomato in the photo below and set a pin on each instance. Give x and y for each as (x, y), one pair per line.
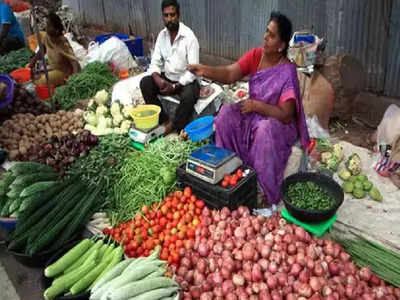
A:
(231, 180)
(171, 224)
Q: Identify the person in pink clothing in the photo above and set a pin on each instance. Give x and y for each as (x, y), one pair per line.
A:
(263, 128)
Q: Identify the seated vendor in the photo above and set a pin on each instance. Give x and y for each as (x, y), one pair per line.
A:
(175, 48)
(61, 59)
(263, 128)
(11, 35)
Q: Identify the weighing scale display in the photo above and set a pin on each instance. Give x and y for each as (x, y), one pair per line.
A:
(200, 170)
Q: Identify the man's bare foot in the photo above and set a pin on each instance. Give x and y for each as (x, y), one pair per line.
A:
(168, 127)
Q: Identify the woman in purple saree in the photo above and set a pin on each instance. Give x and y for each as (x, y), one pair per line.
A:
(263, 128)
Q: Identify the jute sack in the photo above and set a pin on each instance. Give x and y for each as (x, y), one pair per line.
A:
(347, 78)
(318, 97)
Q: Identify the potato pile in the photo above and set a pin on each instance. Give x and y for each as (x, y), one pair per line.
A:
(24, 131)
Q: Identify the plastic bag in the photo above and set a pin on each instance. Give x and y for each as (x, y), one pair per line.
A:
(112, 51)
(388, 139)
(315, 129)
(127, 92)
(79, 51)
(304, 48)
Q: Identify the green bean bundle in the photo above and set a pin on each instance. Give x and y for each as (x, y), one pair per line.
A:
(147, 176)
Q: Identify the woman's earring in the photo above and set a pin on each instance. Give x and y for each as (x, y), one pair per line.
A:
(280, 50)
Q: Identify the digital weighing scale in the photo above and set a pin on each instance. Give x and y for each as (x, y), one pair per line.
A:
(211, 163)
(142, 137)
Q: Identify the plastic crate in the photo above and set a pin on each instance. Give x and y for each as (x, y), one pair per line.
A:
(215, 196)
(135, 45)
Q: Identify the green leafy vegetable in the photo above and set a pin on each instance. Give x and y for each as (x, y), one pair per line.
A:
(14, 60)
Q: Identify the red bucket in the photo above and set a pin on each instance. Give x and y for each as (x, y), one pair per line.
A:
(43, 91)
(21, 75)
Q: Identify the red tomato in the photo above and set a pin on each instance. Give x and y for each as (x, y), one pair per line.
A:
(159, 214)
(199, 204)
(164, 254)
(224, 183)
(175, 202)
(187, 191)
(191, 232)
(193, 198)
(239, 173)
(145, 209)
(227, 177)
(178, 194)
(175, 257)
(233, 181)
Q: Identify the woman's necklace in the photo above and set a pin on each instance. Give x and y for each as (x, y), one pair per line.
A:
(261, 60)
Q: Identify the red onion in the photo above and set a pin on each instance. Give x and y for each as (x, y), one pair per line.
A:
(247, 275)
(282, 278)
(305, 290)
(240, 233)
(265, 251)
(300, 234)
(272, 282)
(195, 292)
(350, 268)
(291, 296)
(344, 257)
(248, 251)
(218, 248)
(318, 269)
(273, 268)
(295, 270)
(198, 277)
(326, 290)
(374, 280)
(186, 262)
(238, 279)
(256, 273)
(182, 271)
(237, 254)
(291, 249)
(255, 287)
(291, 260)
(203, 249)
(231, 296)
(229, 244)
(316, 297)
(333, 267)
(301, 259)
(263, 264)
(201, 266)
(365, 274)
(315, 284)
(304, 275)
(275, 295)
(227, 287)
(217, 278)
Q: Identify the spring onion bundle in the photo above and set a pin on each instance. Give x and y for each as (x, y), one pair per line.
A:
(382, 261)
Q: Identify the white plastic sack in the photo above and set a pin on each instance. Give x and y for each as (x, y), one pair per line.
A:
(112, 51)
(315, 129)
(127, 92)
(79, 51)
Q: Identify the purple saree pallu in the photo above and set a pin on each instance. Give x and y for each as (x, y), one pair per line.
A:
(265, 143)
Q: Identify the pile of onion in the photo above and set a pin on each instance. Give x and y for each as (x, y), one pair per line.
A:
(239, 256)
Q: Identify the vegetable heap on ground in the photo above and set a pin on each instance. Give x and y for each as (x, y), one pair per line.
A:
(102, 167)
(171, 224)
(309, 195)
(18, 184)
(102, 119)
(81, 267)
(54, 213)
(359, 186)
(14, 60)
(139, 279)
(24, 102)
(147, 176)
(24, 131)
(239, 256)
(330, 156)
(94, 77)
(59, 153)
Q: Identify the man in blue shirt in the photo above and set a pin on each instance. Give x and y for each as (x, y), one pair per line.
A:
(11, 35)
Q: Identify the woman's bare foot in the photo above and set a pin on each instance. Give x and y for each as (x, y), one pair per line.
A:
(183, 135)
